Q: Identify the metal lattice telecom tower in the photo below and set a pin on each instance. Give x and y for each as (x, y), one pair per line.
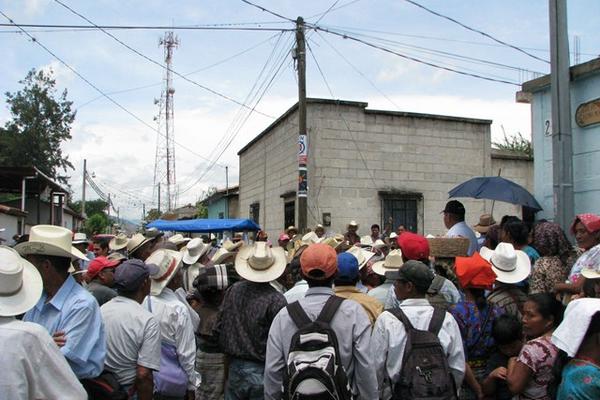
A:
(164, 163)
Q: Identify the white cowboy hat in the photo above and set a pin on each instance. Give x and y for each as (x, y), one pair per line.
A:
(379, 244)
(230, 246)
(196, 248)
(393, 235)
(80, 238)
(310, 238)
(361, 255)
(510, 265)
(168, 263)
(20, 283)
(137, 241)
(591, 272)
(178, 239)
(118, 242)
(260, 263)
(366, 241)
(221, 255)
(391, 262)
(353, 223)
(50, 240)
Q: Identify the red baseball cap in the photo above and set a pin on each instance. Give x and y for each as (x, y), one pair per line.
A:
(318, 261)
(98, 264)
(413, 246)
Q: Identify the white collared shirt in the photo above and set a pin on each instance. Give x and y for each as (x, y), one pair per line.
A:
(176, 328)
(389, 338)
(34, 367)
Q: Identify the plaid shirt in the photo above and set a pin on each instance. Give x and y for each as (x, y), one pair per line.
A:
(246, 315)
(509, 298)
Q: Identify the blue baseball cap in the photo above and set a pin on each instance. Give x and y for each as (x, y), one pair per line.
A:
(132, 273)
(347, 267)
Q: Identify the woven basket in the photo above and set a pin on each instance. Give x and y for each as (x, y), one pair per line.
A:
(448, 247)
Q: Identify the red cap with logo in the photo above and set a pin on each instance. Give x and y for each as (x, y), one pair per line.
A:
(98, 264)
(318, 261)
(413, 246)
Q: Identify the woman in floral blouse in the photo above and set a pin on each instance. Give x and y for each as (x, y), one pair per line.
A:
(530, 373)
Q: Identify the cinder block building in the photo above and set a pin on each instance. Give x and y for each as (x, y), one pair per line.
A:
(371, 166)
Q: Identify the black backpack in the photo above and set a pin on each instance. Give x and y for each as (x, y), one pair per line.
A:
(314, 369)
(434, 296)
(425, 373)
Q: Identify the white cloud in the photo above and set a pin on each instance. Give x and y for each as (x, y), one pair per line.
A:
(62, 74)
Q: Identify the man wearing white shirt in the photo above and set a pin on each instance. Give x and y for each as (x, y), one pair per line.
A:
(389, 334)
(172, 315)
(454, 219)
(34, 367)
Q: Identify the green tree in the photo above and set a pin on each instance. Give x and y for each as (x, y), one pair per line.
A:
(152, 215)
(516, 143)
(97, 223)
(40, 122)
(201, 205)
(92, 207)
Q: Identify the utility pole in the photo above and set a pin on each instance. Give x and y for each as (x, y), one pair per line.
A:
(143, 211)
(302, 193)
(227, 190)
(83, 188)
(562, 141)
(159, 197)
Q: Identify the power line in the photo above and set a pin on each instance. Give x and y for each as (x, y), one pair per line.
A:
(341, 55)
(334, 9)
(93, 27)
(477, 31)
(269, 11)
(185, 78)
(327, 11)
(96, 88)
(222, 61)
(431, 64)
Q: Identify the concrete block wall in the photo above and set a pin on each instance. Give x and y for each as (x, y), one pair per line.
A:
(268, 169)
(417, 154)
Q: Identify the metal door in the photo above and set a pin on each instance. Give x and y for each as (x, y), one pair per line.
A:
(401, 212)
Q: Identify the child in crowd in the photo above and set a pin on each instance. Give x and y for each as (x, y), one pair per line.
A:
(507, 332)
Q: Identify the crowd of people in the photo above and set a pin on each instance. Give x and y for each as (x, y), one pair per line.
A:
(317, 315)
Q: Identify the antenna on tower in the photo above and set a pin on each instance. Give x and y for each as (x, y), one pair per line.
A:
(164, 162)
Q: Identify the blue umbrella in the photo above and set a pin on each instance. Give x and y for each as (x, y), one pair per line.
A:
(495, 188)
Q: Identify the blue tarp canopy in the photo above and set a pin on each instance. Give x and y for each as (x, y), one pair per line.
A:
(205, 225)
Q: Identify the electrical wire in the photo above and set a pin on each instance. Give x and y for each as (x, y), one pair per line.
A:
(94, 27)
(268, 11)
(476, 31)
(335, 9)
(415, 59)
(93, 86)
(341, 55)
(185, 78)
(327, 11)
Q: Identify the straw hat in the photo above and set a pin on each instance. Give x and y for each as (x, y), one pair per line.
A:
(168, 263)
(366, 241)
(379, 244)
(485, 221)
(221, 255)
(116, 256)
(137, 241)
(178, 239)
(334, 241)
(310, 238)
(510, 265)
(230, 246)
(20, 283)
(80, 238)
(353, 223)
(392, 262)
(196, 248)
(260, 263)
(50, 240)
(591, 272)
(118, 242)
(361, 255)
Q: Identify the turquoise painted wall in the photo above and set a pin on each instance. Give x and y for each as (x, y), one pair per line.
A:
(219, 206)
(586, 149)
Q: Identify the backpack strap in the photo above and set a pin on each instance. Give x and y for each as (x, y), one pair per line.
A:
(329, 309)
(436, 285)
(437, 320)
(398, 313)
(298, 314)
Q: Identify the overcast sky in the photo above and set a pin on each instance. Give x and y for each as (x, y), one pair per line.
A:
(120, 150)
